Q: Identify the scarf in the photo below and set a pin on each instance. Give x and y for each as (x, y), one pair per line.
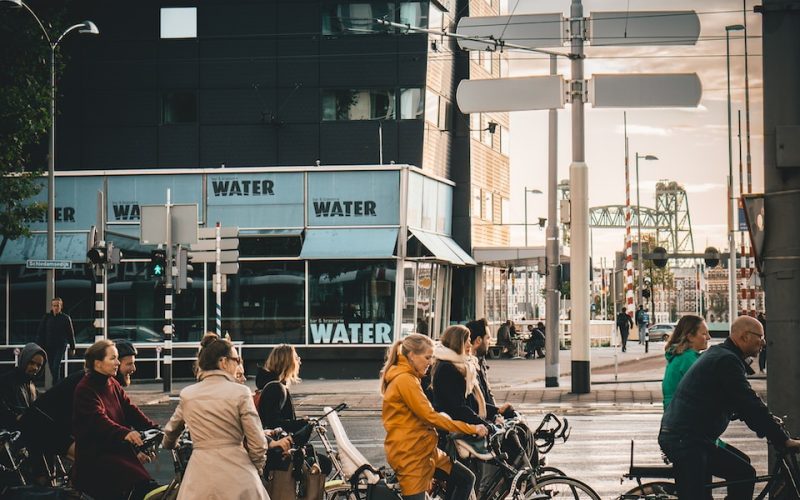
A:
(467, 366)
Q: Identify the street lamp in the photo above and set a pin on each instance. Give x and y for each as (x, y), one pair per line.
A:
(532, 191)
(639, 221)
(731, 199)
(86, 27)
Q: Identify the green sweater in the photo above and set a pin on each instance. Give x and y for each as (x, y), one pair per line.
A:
(677, 366)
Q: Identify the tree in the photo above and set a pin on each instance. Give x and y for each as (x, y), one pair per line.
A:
(24, 114)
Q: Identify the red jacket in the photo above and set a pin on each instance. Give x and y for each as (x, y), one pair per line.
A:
(105, 464)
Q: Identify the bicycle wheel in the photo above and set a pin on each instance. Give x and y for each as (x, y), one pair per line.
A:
(550, 471)
(340, 492)
(657, 490)
(561, 487)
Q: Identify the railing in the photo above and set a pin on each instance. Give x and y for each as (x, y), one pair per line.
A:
(158, 347)
(601, 332)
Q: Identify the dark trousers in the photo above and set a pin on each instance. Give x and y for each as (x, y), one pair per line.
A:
(624, 332)
(695, 464)
(55, 355)
(460, 482)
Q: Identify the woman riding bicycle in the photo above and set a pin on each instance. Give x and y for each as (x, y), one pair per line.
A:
(104, 423)
(410, 422)
(229, 450)
(684, 346)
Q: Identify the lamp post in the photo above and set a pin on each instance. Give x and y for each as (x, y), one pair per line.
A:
(731, 198)
(86, 27)
(533, 191)
(639, 223)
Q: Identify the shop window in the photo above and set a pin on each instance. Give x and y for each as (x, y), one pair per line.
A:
(270, 246)
(179, 22)
(179, 107)
(432, 107)
(412, 106)
(426, 297)
(351, 302)
(409, 324)
(265, 303)
(355, 104)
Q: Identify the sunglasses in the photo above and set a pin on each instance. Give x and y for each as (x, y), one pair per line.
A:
(760, 337)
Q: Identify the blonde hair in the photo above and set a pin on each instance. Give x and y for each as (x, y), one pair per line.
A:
(96, 352)
(414, 343)
(455, 338)
(679, 341)
(281, 361)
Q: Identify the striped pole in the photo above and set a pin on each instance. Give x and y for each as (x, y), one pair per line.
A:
(629, 305)
(218, 279)
(99, 309)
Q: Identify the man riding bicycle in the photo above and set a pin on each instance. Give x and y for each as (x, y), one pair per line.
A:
(713, 390)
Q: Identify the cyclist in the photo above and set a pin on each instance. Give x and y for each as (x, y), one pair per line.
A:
(17, 390)
(683, 348)
(713, 389)
(410, 422)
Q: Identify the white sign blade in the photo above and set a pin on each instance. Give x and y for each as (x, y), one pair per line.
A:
(211, 232)
(679, 90)
(529, 30)
(224, 244)
(229, 267)
(226, 256)
(644, 28)
(510, 94)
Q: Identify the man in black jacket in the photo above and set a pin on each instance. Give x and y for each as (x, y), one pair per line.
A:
(54, 333)
(714, 389)
(624, 323)
(17, 391)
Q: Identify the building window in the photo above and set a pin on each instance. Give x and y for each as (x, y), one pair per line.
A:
(432, 107)
(352, 104)
(505, 211)
(488, 206)
(444, 114)
(358, 18)
(505, 140)
(476, 202)
(179, 22)
(486, 133)
(435, 17)
(179, 107)
(351, 302)
(412, 106)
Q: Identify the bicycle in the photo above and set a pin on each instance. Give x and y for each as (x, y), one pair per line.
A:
(784, 478)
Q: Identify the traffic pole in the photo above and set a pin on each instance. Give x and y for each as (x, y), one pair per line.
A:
(218, 281)
(553, 294)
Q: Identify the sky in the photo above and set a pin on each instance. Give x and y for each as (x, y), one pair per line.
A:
(691, 144)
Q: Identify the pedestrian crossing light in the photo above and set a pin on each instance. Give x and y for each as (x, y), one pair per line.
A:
(184, 269)
(158, 264)
(98, 255)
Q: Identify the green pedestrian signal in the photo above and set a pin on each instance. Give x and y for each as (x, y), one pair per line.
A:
(158, 264)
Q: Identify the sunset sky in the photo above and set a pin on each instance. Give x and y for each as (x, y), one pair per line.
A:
(691, 144)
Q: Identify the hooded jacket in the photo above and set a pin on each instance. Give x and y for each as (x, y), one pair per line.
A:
(17, 390)
(410, 422)
(677, 366)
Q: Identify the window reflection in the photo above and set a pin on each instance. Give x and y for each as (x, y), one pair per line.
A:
(351, 302)
(358, 18)
(353, 104)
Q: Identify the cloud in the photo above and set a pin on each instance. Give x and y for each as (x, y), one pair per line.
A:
(645, 130)
(704, 187)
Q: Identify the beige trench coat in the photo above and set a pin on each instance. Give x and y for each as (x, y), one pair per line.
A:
(229, 444)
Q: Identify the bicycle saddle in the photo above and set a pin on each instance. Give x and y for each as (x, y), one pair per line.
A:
(468, 446)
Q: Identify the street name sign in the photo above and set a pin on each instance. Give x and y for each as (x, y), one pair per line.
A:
(674, 90)
(511, 94)
(643, 28)
(527, 30)
(48, 264)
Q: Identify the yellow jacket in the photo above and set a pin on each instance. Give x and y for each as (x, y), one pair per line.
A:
(410, 421)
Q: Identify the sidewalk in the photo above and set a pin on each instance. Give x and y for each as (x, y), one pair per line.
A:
(520, 382)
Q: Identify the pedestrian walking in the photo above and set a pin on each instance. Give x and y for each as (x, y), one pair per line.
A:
(53, 334)
(624, 323)
(642, 319)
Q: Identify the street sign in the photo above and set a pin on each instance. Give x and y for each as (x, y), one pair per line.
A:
(528, 30)
(205, 233)
(229, 268)
(223, 283)
(511, 94)
(644, 28)
(754, 211)
(224, 244)
(48, 264)
(645, 91)
(225, 256)
(183, 222)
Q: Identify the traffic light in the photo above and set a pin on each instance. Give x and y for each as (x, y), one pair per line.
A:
(660, 257)
(158, 264)
(646, 293)
(711, 257)
(184, 268)
(98, 255)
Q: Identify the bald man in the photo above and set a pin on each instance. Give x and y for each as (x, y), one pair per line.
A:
(714, 389)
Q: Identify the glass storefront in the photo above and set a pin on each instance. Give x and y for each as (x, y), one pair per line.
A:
(351, 302)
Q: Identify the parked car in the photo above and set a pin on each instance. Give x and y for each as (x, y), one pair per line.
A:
(133, 333)
(661, 331)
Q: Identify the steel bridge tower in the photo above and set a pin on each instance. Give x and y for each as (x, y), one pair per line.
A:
(673, 221)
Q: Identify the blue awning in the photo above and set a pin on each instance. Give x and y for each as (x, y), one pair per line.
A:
(69, 246)
(356, 243)
(255, 233)
(442, 247)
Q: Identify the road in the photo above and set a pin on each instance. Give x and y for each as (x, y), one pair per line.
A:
(597, 452)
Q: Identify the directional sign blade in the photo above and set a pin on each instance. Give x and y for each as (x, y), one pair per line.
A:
(679, 90)
(224, 244)
(529, 30)
(228, 256)
(644, 28)
(211, 232)
(230, 268)
(511, 94)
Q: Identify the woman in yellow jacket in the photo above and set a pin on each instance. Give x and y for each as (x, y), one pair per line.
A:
(410, 422)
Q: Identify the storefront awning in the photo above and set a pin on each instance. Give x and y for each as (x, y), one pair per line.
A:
(514, 256)
(356, 243)
(69, 246)
(443, 247)
(253, 233)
